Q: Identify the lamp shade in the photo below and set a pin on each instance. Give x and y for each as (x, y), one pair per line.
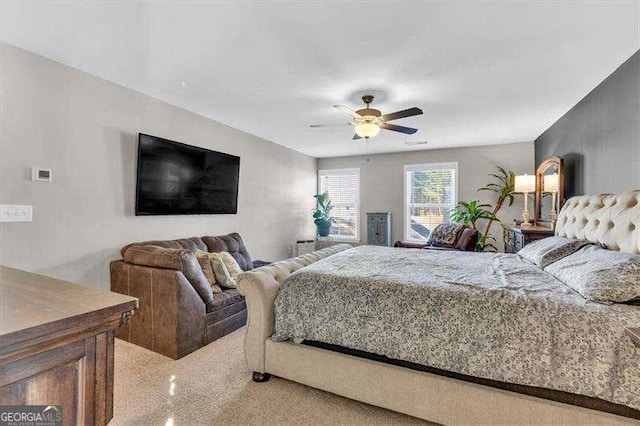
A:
(525, 183)
(367, 130)
(551, 183)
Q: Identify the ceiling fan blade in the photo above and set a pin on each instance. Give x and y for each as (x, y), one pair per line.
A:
(331, 125)
(347, 110)
(401, 129)
(356, 136)
(401, 114)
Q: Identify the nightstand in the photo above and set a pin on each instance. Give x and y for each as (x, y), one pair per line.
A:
(516, 237)
(379, 229)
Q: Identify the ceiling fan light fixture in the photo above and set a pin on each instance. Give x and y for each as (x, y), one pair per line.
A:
(367, 129)
(368, 121)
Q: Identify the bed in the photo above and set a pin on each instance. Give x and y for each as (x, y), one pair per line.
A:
(504, 341)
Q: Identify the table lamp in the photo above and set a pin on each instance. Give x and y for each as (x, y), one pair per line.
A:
(551, 183)
(525, 184)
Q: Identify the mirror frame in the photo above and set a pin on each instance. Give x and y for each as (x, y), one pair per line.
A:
(544, 165)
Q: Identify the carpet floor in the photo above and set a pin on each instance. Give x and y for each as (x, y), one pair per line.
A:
(212, 386)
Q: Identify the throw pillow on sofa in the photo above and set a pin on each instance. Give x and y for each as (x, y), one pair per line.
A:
(205, 263)
(223, 277)
(232, 265)
(445, 235)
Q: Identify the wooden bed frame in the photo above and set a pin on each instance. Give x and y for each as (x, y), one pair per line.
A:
(613, 220)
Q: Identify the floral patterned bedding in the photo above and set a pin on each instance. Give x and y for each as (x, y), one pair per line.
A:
(495, 316)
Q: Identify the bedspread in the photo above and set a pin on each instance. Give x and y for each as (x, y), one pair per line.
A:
(494, 316)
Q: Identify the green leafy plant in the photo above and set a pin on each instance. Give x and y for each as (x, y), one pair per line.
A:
(321, 215)
(503, 185)
(485, 243)
(469, 213)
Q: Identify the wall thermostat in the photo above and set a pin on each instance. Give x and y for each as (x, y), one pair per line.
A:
(38, 174)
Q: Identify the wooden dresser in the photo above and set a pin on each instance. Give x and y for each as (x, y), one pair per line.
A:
(56, 345)
(516, 237)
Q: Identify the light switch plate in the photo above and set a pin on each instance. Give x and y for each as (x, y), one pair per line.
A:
(16, 213)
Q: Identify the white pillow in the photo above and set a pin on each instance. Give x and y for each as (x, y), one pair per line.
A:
(551, 249)
(220, 270)
(231, 264)
(600, 275)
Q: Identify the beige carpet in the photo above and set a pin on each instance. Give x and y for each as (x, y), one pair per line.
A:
(212, 386)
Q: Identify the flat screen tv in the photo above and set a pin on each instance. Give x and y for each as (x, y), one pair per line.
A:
(174, 178)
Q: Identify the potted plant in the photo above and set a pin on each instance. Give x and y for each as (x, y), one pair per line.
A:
(468, 214)
(321, 216)
(504, 186)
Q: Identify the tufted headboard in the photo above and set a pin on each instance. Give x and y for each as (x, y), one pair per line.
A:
(612, 220)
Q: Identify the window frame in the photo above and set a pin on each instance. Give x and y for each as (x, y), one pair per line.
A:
(407, 196)
(351, 170)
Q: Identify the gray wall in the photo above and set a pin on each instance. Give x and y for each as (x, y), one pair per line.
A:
(600, 136)
(382, 185)
(85, 129)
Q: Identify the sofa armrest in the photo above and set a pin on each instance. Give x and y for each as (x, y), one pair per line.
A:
(440, 248)
(171, 319)
(467, 240)
(409, 244)
(260, 263)
(175, 259)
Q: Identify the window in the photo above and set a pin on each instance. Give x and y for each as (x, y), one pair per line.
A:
(430, 194)
(343, 186)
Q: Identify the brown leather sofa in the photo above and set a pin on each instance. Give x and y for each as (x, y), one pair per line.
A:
(465, 242)
(178, 311)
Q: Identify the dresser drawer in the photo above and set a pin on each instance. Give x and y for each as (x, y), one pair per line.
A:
(508, 237)
(520, 241)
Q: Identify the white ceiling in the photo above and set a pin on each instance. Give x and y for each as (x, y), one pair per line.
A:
(484, 72)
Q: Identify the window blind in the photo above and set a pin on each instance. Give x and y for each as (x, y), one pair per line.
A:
(430, 194)
(343, 186)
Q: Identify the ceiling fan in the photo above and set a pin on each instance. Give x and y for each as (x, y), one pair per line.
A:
(368, 121)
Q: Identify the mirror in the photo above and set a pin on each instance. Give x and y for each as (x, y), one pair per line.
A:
(549, 191)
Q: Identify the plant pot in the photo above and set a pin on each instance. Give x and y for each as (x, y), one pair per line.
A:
(323, 229)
